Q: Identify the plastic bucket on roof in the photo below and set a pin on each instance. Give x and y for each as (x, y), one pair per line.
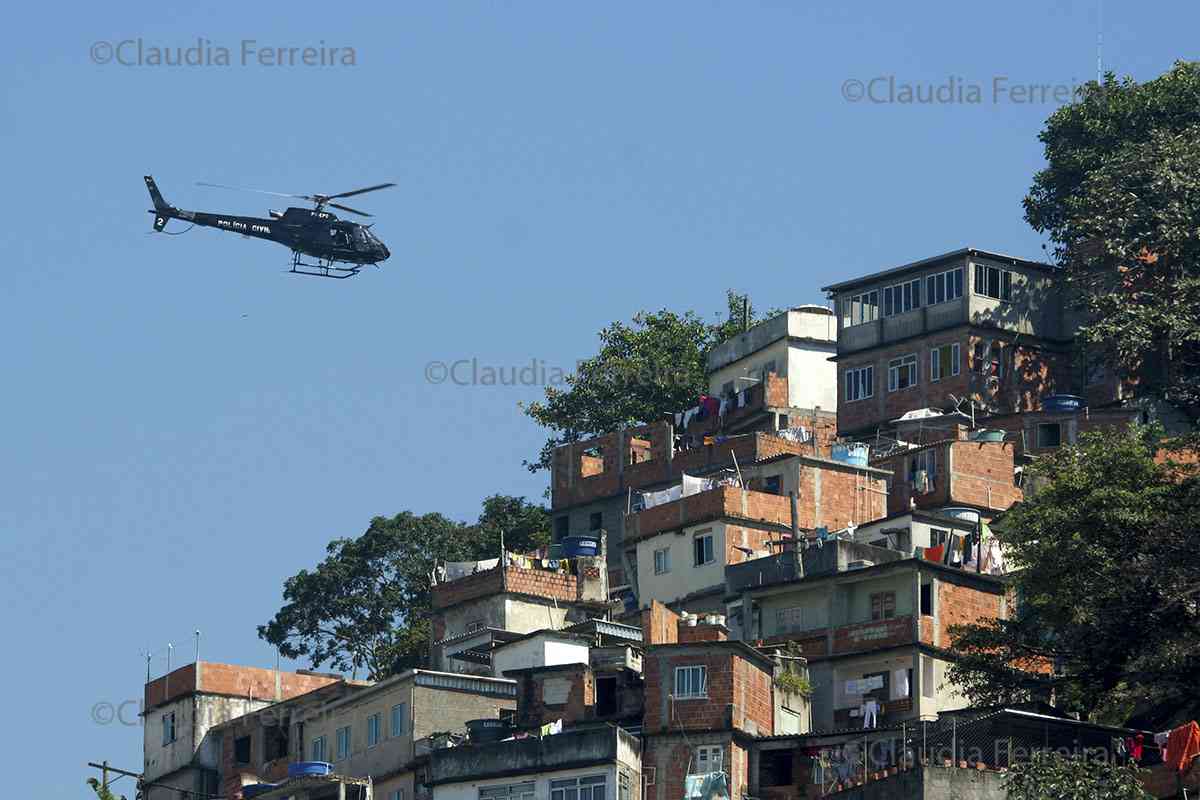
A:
(580, 546)
(1060, 403)
(488, 730)
(853, 454)
(301, 769)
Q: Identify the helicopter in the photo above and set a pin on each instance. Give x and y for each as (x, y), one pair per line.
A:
(314, 232)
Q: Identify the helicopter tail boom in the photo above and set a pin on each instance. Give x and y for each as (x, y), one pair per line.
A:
(163, 211)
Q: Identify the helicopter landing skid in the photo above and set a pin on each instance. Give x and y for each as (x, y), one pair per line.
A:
(322, 269)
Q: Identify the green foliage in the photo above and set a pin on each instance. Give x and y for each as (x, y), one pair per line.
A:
(644, 370)
(1120, 198)
(366, 606)
(1106, 589)
(1050, 776)
(793, 678)
(102, 791)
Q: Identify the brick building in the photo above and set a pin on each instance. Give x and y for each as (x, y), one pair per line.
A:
(969, 324)
(873, 623)
(952, 472)
(182, 708)
(683, 546)
(707, 700)
(593, 481)
(473, 613)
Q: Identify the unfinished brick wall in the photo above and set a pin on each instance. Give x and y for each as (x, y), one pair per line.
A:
(534, 582)
(702, 632)
(660, 625)
(970, 473)
(532, 709)
(738, 695)
(571, 487)
(831, 495)
(962, 605)
(232, 680)
(1030, 373)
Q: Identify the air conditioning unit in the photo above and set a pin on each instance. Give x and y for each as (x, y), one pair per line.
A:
(860, 564)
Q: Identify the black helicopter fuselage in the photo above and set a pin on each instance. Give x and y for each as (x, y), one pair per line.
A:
(319, 234)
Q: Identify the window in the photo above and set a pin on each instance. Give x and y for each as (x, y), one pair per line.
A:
(319, 750)
(943, 362)
(925, 462)
(860, 308)
(562, 528)
(938, 536)
(396, 795)
(709, 759)
(993, 282)
(791, 620)
(883, 605)
(399, 712)
(902, 373)
(373, 729)
(241, 750)
(771, 485)
(989, 359)
(691, 682)
(943, 286)
(902, 298)
(926, 601)
(624, 786)
(1049, 434)
(168, 728)
(595, 521)
(649, 775)
(662, 561)
(860, 383)
(927, 689)
(588, 788)
(343, 742)
(704, 549)
(512, 791)
(727, 389)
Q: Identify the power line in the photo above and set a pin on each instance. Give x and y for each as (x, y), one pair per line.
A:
(141, 783)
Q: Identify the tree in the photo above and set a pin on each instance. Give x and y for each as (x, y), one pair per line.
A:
(1105, 591)
(643, 370)
(1051, 776)
(366, 606)
(1120, 199)
(102, 791)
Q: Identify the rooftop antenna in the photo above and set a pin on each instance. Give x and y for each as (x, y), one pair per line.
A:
(1100, 44)
(197, 632)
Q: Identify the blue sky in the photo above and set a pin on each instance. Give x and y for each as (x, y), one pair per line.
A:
(185, 425)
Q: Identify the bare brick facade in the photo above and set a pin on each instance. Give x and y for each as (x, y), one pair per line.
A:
(978, 474)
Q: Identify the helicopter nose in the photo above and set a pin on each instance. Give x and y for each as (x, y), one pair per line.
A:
(386, 253)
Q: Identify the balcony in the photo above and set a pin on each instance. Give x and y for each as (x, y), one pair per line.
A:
(473, 762)
(836, 556)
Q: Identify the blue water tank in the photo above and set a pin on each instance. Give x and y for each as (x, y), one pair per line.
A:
(1061, 403)
(255, 789)
(579, 546)
(302, 768)
(853, 454)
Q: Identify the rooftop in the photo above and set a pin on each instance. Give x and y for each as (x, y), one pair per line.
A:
(924, 263)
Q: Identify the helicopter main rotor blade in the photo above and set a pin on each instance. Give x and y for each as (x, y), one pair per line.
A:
(348, 208)
(259, 191)
(357, 191)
